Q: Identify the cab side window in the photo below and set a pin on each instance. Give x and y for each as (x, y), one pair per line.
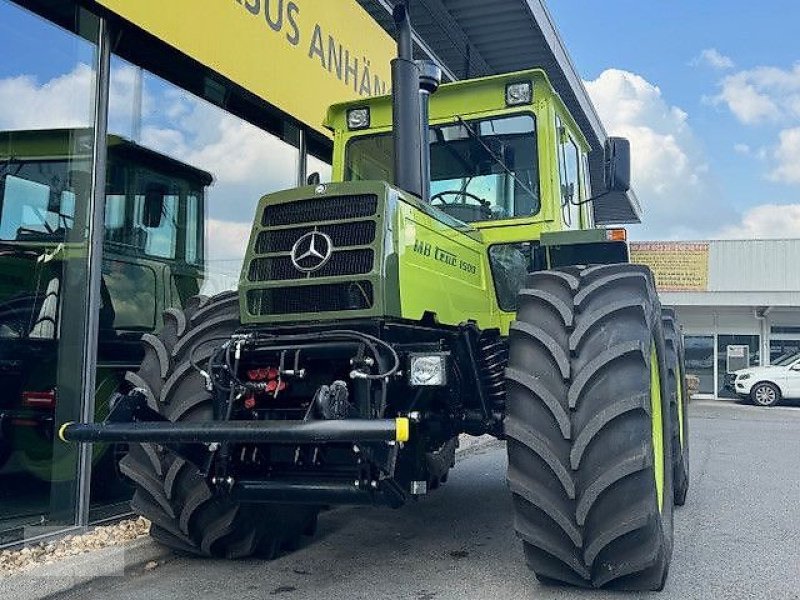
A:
(587, 191)
(568, 174)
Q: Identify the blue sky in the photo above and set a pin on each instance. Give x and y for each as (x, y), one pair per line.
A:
(727, 95)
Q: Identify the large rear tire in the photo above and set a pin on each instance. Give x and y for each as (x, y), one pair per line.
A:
(185, 513)
(678, 398)
(588, 428)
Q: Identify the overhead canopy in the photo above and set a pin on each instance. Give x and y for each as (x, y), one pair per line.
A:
(472, 38)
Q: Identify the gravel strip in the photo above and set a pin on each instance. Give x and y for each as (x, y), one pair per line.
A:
(47, 553)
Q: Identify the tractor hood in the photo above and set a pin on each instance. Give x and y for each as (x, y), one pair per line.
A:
(346, 250)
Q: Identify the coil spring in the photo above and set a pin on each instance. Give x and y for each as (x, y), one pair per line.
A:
(493, 361)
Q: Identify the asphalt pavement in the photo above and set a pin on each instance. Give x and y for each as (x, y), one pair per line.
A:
(737, 537)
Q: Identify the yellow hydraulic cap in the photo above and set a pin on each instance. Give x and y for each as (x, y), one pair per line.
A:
(401, 429)
(62, 429)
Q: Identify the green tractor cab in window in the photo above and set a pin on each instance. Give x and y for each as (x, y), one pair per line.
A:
(449, 281)
(153, 260)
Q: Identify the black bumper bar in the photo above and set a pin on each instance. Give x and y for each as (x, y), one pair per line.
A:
(306, 492)
(260, 432)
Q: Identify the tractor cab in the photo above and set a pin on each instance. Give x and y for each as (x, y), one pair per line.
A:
(505, 155)
(507, 158)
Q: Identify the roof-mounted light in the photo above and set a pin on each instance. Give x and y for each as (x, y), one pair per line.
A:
(519, 93)
(358, 118)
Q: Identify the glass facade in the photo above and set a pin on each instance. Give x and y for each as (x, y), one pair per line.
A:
(783, 341)
(707, 358)
(700, 360)
(723, 342)
(47, 121)
(176, 179)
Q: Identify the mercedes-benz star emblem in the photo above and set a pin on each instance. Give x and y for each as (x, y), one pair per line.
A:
(312, 251)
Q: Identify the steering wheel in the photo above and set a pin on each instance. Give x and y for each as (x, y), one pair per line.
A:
(470, 195)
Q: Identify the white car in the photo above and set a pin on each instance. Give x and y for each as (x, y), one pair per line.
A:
(766, 386)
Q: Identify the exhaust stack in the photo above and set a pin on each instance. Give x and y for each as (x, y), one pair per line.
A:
(406, 119)
(430, 76)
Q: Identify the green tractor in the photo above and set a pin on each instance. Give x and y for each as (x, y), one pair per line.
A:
(153, 260)
(449, 281)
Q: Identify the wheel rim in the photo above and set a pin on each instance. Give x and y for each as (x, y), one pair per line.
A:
(765, 395)
(657, 425)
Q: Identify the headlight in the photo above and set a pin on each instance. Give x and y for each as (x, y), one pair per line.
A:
(427, 369)
(358, 118)
(743, 377)
(519, 93)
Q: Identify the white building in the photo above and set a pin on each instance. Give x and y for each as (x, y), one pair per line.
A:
(726, 294)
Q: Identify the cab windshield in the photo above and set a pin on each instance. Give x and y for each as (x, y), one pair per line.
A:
(481, 170)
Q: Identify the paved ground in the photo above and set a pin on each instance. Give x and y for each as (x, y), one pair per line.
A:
(737, 537)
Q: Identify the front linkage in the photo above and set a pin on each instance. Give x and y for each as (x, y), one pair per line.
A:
(288, 428)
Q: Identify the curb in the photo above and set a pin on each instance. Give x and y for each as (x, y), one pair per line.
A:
(468, 444)
(74, 571)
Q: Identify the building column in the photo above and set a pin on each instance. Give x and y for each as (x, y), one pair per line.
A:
(97, 202)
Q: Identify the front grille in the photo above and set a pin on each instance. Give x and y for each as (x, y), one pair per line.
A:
(349, 295)
(352, 226)
(361, 233)
(320, 209)
(344, 262)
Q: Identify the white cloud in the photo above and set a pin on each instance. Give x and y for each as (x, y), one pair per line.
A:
(766, 221)
(226, 243)
(742, 149)
(122, 89)
(712, 57)
(669, 169)
(762, 94)
(230, 239)
(768, 95)
(63, 101)
(245, 161)
(787, 157)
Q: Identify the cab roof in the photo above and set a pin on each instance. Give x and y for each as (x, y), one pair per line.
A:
(467, 97)
(61, 142)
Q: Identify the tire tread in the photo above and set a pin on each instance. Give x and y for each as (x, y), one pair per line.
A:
(580, 456)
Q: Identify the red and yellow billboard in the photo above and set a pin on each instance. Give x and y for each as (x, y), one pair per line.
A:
(677, 266)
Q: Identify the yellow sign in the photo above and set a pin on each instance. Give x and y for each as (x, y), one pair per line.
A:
(298, 55)
(677, 266)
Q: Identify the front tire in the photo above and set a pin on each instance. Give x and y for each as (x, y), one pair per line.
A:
(765, 394)
(588, 428)
(186, 513)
